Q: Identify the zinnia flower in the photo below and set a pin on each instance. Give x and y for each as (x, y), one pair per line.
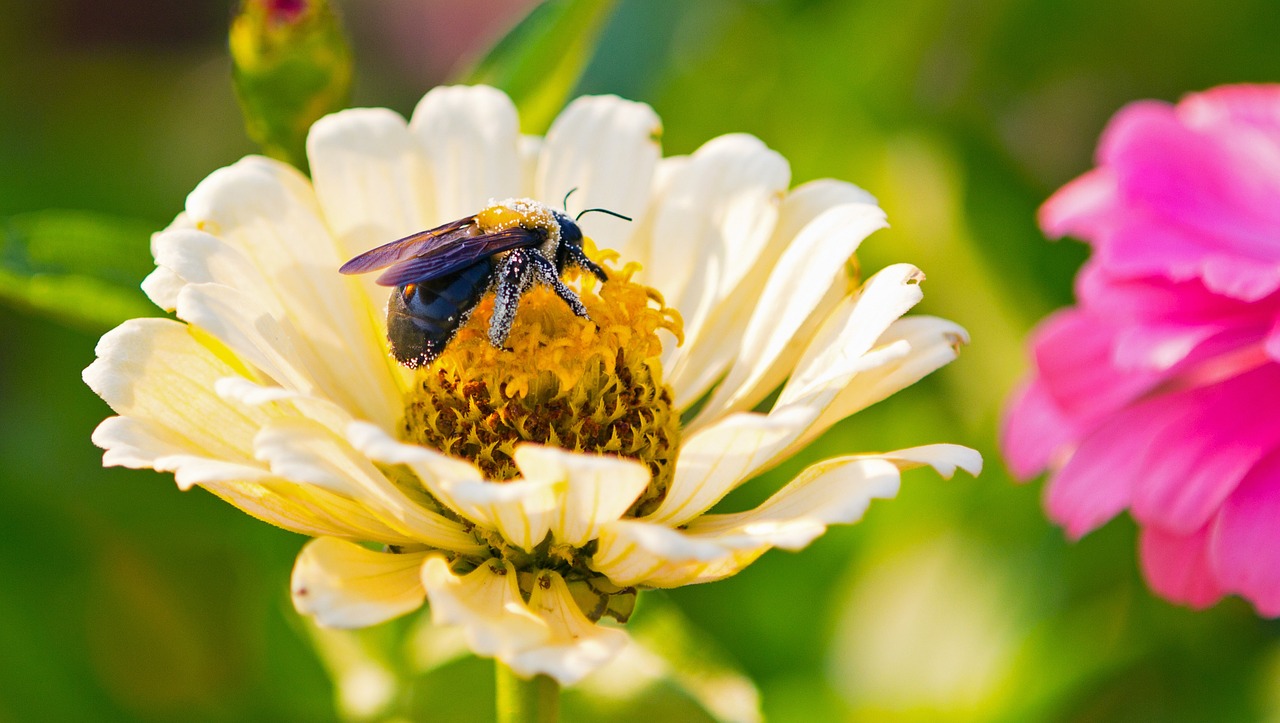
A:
(1158, 392)
(526, 493)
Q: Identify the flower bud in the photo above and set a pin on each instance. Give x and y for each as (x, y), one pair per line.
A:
(291, 65)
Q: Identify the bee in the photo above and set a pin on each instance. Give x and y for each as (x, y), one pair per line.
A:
(441, 274)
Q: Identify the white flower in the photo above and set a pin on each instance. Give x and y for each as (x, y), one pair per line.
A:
(274, 389)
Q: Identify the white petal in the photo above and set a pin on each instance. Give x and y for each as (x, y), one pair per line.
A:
(717, 458)
(931, 344)
(155, 371)
(344, 585)
(306, 452)
(797, 295)
(607, 148)
(308, 510)
(486, 603)
(196, 257)
(254, 335)
(629, 551)
(639, 246)
(471, 138)
(835, 353)
(576, 645)
(370, 177)
(162, 287)
(522, 510)
(141, 444)
(715, 220)
(266, 211)
(597, 489)
(530, 150)
(835, 491)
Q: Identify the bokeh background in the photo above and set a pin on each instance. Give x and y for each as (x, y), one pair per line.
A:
(122, 598)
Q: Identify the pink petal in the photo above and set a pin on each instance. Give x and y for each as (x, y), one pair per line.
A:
(1220, 182)
(1254, 106)
(1084, 208)
(1098, 480)
(1244, 545)
(1073, 351)
(1033, 431)
(1211, 437)
(1177, 567)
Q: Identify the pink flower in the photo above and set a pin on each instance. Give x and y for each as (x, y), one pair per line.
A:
(1160, 391)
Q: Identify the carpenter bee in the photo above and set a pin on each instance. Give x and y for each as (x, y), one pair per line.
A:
(441, 274)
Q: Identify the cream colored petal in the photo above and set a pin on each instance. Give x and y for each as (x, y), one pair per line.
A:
(470, 135)
(835, 491)
(196, 257)
(718, 345)
(267, 212)
(284, 402)
(344, 585)
(718, 457)
(630, 551)
(521, 510)
(932, 343)
(803, 287)
(162, 287)
(576, 645)
(607, 148)
(640, 246)
(155, 371)
(308, 510)
(303, 451)
(254, 335)
(370, 177)
(486, 603)
(717, 216)
(141, 444)
(596, 489)
(530, 150)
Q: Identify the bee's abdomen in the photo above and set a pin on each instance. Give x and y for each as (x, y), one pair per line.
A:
(423, 317)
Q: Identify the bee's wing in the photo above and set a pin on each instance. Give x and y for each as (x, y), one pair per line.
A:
(408, 247)
(458, 255)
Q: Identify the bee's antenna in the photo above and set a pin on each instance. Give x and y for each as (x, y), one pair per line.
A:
(566, 199)
(602, 210)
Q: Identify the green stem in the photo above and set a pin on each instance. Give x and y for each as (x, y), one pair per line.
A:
(526, 701)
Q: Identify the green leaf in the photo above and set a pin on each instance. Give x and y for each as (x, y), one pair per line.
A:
(540, 61)
(78, 267)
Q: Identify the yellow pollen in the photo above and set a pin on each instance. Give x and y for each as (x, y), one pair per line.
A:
(588, 386)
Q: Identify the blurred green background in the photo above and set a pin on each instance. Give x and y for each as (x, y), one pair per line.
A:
(123, 598)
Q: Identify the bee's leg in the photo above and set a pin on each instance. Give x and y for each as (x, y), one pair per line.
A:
(578, 257)
(545, 272)
(514, 274)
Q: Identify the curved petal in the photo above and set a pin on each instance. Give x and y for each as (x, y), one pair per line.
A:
(189, 256)
(303, 451)
(470, 135)
(370, 178)
(607, 148)
(142, 444)
(1177, 566)
(267, 211)
(344, 585)
(597, 489)
(1243, 546)
(717, 215)
(575, 647)
(486, 604)
(796, 298)
(835, 491)
(308, 510)
(156, 372)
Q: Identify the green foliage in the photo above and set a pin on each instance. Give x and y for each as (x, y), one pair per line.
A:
(81, 268)
(539, 63)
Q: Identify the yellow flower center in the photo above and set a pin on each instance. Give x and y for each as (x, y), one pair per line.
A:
(588, 386)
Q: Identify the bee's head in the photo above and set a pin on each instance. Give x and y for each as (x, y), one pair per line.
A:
(570, 232)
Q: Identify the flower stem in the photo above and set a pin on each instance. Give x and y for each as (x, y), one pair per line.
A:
(526, 701)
